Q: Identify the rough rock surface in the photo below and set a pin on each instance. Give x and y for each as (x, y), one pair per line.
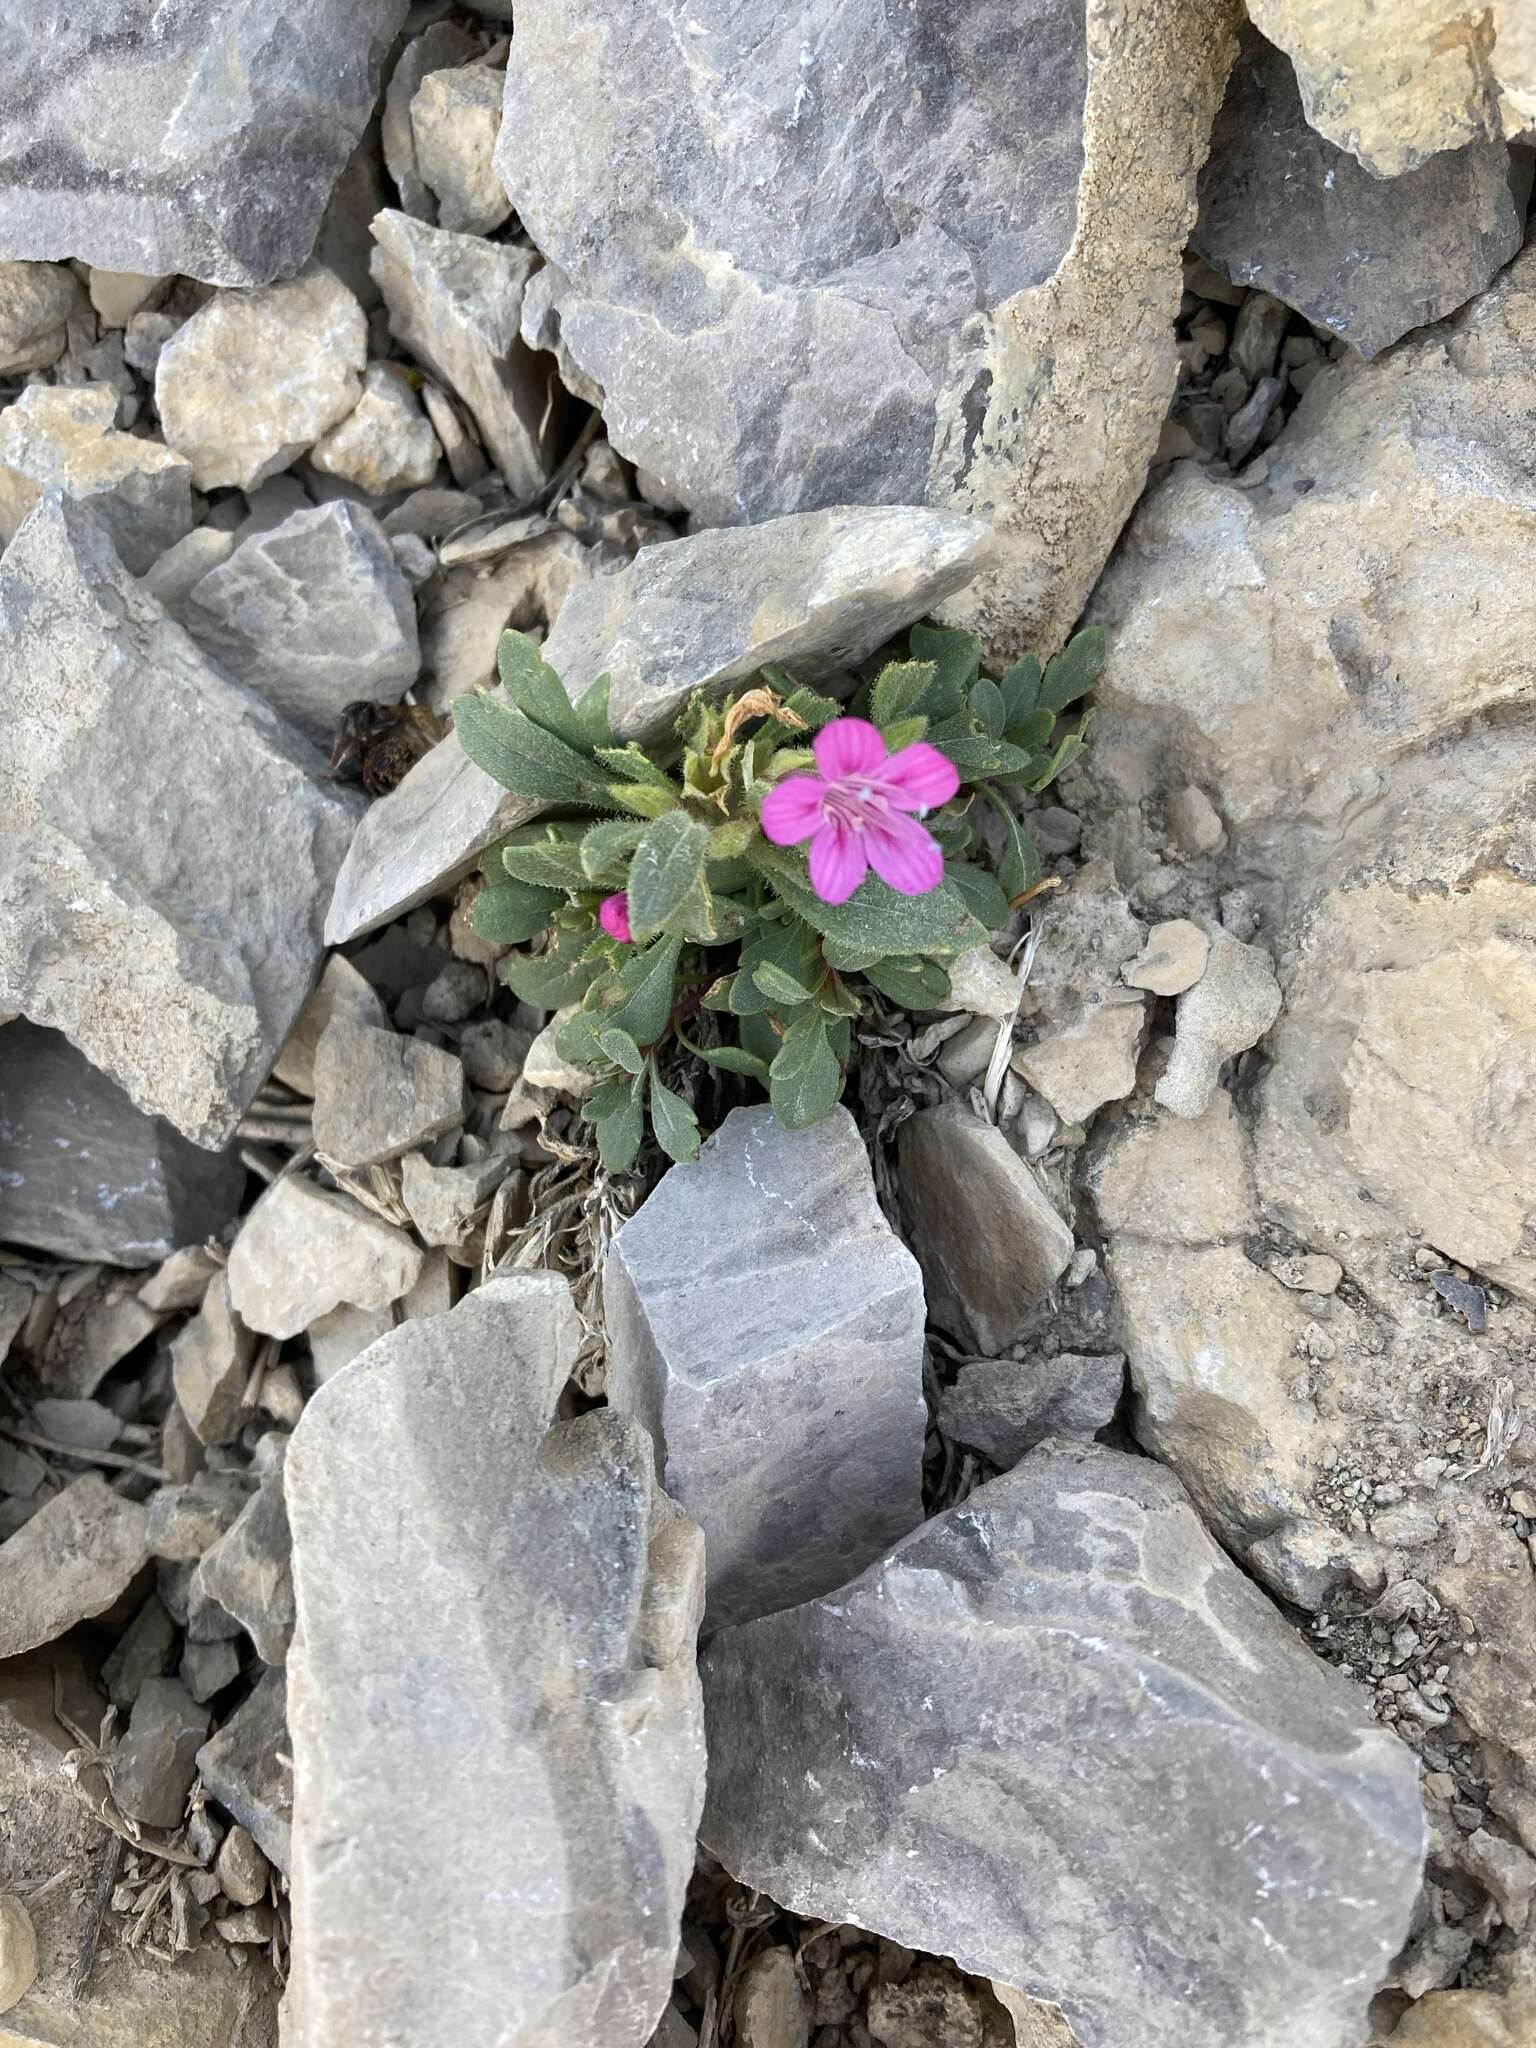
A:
(174, 961)
(66, 435)
(340, 989)
(85, 1174)
(1225, 1012)
(303, 1250)
(246, 1767)
(77, 1555)
(36, 299)
(211, 1364)
(455, 119)
(255, 378)
(438, 47)
(157, 1759)
(552, 1795)
(1003, 1407)
(386, 442)
(1080, 1068)
(989, 1240)
(817, 592)
(798, 295)
(200, 141)
(1179, 1826)
(790, 1428)
(1367, 257)
(248, 1572)
(313, 614)
(379, 1093)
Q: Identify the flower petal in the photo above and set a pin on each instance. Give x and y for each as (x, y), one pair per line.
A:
(848, 746)
(838, 862)
(903, 854)
(919, 778)
(613, 916)
(792, 809)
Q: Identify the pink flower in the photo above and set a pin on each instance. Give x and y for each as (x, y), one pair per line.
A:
(855, 812)
(613, 916)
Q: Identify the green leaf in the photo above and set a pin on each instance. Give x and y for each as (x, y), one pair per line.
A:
(518, 754)
(986, 701)
(649, 978)
(536, 690)
(619, 1133)
(592, 715)
(1068, 751)
(635, 765)
(980, 892)
(548, 862)
(904, 732)
(779, 987)
(675, 1125)
(620, 1048)
(1075, 670)
(577, 1040)
(837, 999)
(546, 980)
(1021, 688)
(898, 691)
(605, 1098)
(605, 851)
(1019, 868)
(732, 1059)
(956, 658)
(666, 868)
(729, 842)
(759, 1038)
(789, 946)
(915, 984)
(805, 1078)
(848, 959)
(874, 918)
(1032, 730)
(507, 913)
(642, 799)
(719, 997)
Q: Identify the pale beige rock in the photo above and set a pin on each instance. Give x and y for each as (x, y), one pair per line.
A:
(338, 1337)
(172, 577)
(18, 1952)
(1090, 932)
(302, 1251)
(1090, 1063)
(378, 1094)
(1174, 1180)
(1035, 2024)
(180, 1281)
(1173, 960)
(386, 442)
(254, 378)
(118, 294)
(211, 1363)
(544, 1068)
(440, 45)
(468, 609)
(983, 985)
(770, 2006)
(1226, 1011)
(1468, 2019)
(455, 119)
(35, 301)
(72, 1560)
(341, 990)
(66, 435)
(1194, 822)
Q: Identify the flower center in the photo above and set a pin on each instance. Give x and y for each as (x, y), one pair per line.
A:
(855, 804)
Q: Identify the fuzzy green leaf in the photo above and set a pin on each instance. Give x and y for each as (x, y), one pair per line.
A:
(956, 659)
(633, 764)
(849, 959)
(904, 733)
(675, 1125)
(665, 870)
(898, 690)
(1021, 688)
(536, 690)
(642, 799)
(1019, 868)
(619, 1133)
(733, 1059)
(592, 715)
(620, 1048)
(507, 913)
(518, 754)
(986, 702)
(915, 984)
(549, 863)
(605, 851)
(649, 979)
(729, 842)
(805, 1079)
(1032, 730)
(981, 893)
(874, 918)
(578, 1039)
(606, 1097)
(781, 989)
(1066, 753)
(546, 980)
(1075, 670)
(759, 1037)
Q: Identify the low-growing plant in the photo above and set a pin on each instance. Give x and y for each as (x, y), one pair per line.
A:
(666, 889)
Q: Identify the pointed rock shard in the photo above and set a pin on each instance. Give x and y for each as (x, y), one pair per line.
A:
(765, 1324)
(1056, 1735)
(541, 1753)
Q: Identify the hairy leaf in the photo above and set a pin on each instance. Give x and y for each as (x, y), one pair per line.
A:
(548, 980)
(518, 754)
(606, 1097)
(981, 893)
(898, 690)
(619, 1133)
(1075, 670)
(915, 984)
(605, 851)
(805, 1078)
(592, 715)
(649, 979)
(780, 988)
(666, 868)
(733, 1059)
(549, 863)
(675, 1125)
(956, 659)
(507, 913)
(633, 764)
(536, 690)
(620, 1048)
(875, 917)
(986, 701)
(1021, 688)
(642, 799)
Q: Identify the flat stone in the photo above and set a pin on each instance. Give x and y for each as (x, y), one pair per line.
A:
(439, 46)
(443, 1201)
(1194, 822)
(211, 1362)
(146, 1649)
(1003, 1407)
(36, 299)
(989, 1241)
(791, 1430)
(456, 302)
(206, 1668)
(199, 144)
(73, 1559)
(179, 1281)
(386, 442)
(861, 1770)
(303, 1250)
(85, 1174)
(1088, 1064)
(95, 1330)
(116, 295)
(313, 615)
(86, 1425)
(171, 579)
(378, 1093)
(65, 435)
(156, 1761)
(1367, 257)
(1172, 960)
(133, 915)
(340, 988)
(254, 379)
(983, 985)
(247, 1572)
(246, 1767)
(455, 119)
(242, 1870)
(337, 1338)
(818, 592)
(1228, 1010)
(562, 1843)
(1308, 1273)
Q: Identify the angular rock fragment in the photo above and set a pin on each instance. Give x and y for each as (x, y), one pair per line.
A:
(65, 435)
(73, 1559)
(247, 1572)
(336, 1338)
(861, 1770)
(253, 379)
(1364, 256)
(156, 1761)
(241, 1868)
(817, 592)
(35, 301)
(340, 988)
(146, 1649)
(1003, 1408)
(790, 1428)
(560, 1837)
(313, 615)
(247, 1768)
(1228, 1009)
(1172, 960)
(456, 301)
(386, 442)
(455, 119)
(211, 1363)
(989, 1241)
(172, 958)
(303, 1250)
(1088, 1064)
(87, 1175)
(200, 143)
(444, 1200)
(378, 1093)
(185, 1520)
(439, 47)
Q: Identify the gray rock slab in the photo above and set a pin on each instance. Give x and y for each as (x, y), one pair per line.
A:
(1003, 1407)
(312, 615)
(765, 1324)
(67, 435)
(156, 1761)
(1367, 257)
(440, 45)
(166, 848)
(816, 591)
(145, 1649)
(73, 1559)
(247, 1768)
(379, 1093)
(303, 1250)
(248, 1572)
(211, 1358)
(493, 1679)
(784, 293)
(87, 1175)
(988, 1238)
(340, 988)
(1057, 1735)
(203, 141)
(1229, 1009)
